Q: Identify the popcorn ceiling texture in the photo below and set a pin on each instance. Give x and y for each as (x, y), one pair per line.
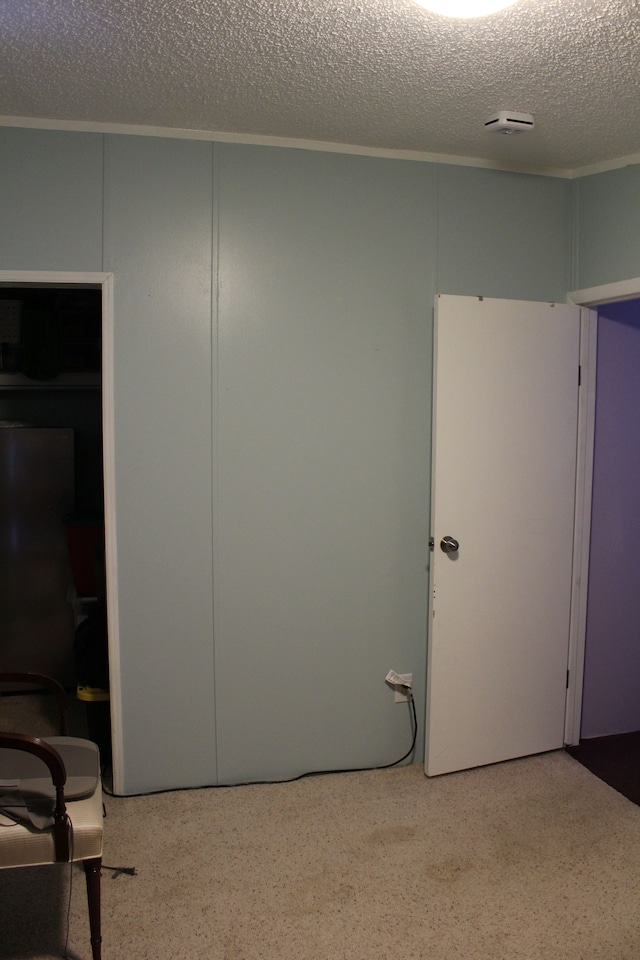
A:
(373, 73)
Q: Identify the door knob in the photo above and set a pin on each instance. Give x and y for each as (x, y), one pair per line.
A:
(449, 545)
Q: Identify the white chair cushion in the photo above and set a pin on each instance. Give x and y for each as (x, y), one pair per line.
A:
(22, 846)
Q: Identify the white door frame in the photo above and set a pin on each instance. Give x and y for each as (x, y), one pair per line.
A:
(587, 299)
(105, 281)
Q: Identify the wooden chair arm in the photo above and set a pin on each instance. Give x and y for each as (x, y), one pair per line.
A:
(50, 756)
(44, 681)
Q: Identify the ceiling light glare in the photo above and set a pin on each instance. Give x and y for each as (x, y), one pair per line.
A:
(465, 9)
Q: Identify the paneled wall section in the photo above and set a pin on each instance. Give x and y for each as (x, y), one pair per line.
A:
(158, 244)
(273, 322)
(606, 233)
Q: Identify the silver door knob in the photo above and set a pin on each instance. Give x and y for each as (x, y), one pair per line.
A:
(449, 545)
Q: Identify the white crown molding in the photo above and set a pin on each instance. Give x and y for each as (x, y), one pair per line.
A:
(139, 130)
(605, 166)
(89, 126)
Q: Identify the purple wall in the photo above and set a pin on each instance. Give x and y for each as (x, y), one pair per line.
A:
(611, 699)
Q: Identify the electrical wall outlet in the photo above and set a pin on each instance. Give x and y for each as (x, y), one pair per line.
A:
(401, 692)
(400, 682)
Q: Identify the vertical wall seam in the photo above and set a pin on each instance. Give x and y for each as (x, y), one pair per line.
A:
(214, 433)
(436, 258)
(104, 203)
(575, 228)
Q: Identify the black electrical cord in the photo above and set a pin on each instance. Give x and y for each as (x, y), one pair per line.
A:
(383, 766)
(117, 871)
(310, 773)
(71, 846)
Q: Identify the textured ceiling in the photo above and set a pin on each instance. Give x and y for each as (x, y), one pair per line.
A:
(383, 74)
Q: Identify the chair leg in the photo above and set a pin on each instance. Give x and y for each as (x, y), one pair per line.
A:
(92, 875)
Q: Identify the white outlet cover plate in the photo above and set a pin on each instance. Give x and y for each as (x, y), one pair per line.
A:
(401, 696)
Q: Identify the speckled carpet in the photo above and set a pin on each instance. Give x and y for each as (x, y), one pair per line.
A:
(534, 859)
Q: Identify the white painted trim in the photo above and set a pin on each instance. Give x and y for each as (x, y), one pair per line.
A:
(110, 533)
(582, 526)
(25, 278)
(105, 280)
(432, 500)
(606, 293)
(326, 146)
(604, 166)
(292, 143)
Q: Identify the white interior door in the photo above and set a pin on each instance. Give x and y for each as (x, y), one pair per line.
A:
(504, 473)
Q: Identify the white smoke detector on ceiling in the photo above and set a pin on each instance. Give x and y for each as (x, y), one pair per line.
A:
(509, 122)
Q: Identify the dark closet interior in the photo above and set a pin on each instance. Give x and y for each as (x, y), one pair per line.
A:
(52, 503)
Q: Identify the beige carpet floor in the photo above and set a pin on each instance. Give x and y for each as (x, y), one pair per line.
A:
(534, 859)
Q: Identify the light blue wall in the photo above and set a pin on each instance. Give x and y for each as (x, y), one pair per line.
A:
(326, 281)
(607, 227)
(158, 244)
(51, 200)
(503, 234)
(273, 321)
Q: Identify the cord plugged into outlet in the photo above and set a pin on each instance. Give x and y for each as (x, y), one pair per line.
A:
(402, 683)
